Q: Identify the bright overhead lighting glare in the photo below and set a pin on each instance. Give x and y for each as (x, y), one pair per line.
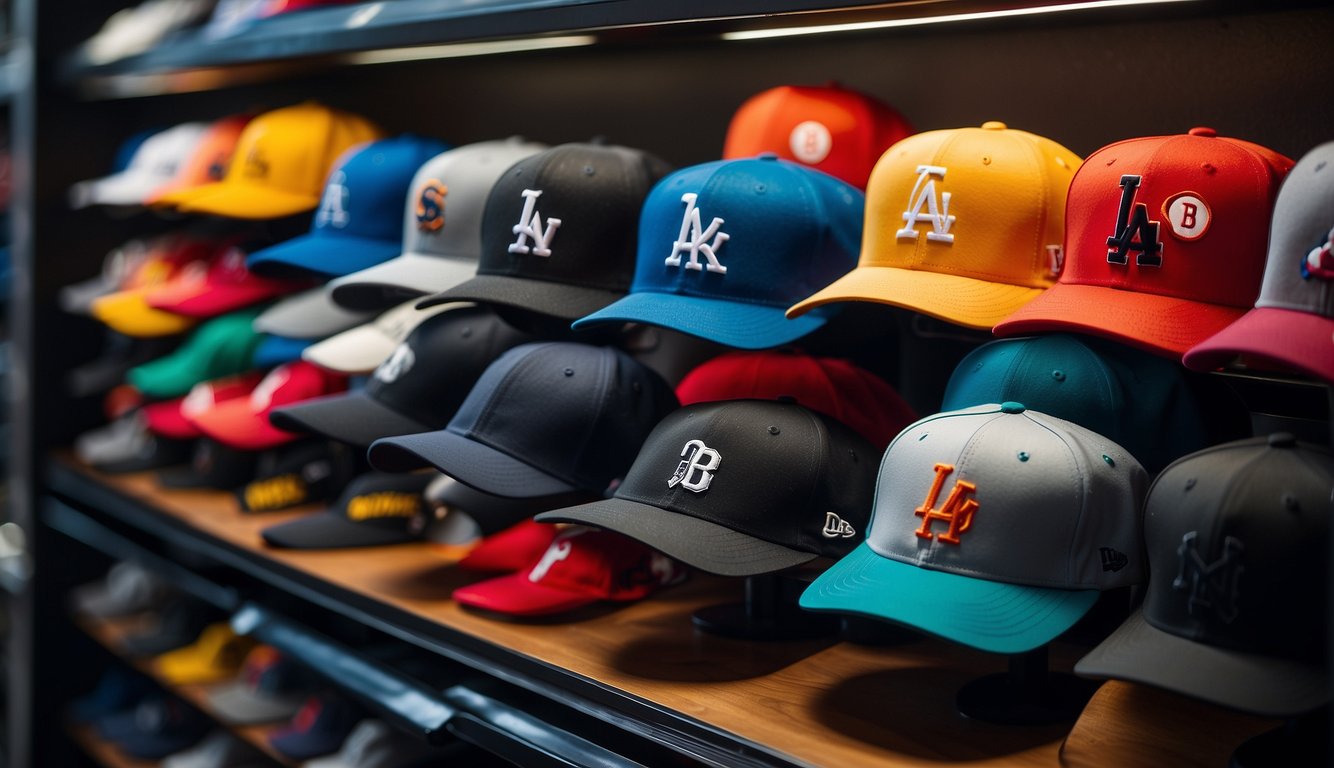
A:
(455, 50)
(760, 34)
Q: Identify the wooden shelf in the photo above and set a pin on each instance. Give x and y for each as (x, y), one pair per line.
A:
(803, 703)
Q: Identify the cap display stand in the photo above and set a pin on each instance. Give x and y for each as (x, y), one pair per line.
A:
(1299, 741)
(769, 611)
(1027, 694)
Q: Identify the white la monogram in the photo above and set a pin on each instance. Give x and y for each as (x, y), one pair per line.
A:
(924, 196)
(698, 241)
(530, 225)
(333, 206)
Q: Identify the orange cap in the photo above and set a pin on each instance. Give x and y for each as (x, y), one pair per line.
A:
(207, 163)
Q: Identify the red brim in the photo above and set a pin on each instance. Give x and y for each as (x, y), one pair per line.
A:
(515, 594)
(1272, 337)
(166, 419)
(236, 425)
(211, 301)
(1163, 325)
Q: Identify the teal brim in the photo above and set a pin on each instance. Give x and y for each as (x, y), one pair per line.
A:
(988, 615)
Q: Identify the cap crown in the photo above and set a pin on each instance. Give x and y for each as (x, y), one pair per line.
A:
(293, 148)
(212, 153)
(1238, 537)
(1181, 216)
(760, 231)
(604, 565)
(365, 190)
(569, 215)
(774, 471)
(986, 203)
(1005, 494)
(1299, 271)
(576, 412)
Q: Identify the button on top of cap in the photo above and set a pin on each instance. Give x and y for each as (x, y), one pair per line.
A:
(1202, 131)
(1010, 406)
(993, 125)
(1282, 440)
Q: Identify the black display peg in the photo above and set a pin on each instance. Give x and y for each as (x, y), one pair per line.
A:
(1028, 694)
(1299, 742)
(768, 612)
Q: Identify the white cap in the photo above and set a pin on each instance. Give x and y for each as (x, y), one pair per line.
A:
(155, 164)
(362, 349)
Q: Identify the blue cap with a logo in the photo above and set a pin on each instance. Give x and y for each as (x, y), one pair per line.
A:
(358, 221)
(725, 247)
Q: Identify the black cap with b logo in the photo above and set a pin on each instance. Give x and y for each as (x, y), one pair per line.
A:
(560, 231)
(1236, 610)
(742, 488)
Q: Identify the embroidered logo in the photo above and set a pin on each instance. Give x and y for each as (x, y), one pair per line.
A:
(698, 241)
(431, 206)
(1055, 260)
(333, 206)
(200, 398)
(957, 512)
(256, 166)
(836, 527)
(937, 212)
(1112, 560)
(530, 226)
(1212, 586)
(558, 551)
(1319, 262)
(262, 397)
(1134, 231)
(383, 504)
(275, 493)
(399, 363)
(810, 142)
(695, 471)
(1188, 215)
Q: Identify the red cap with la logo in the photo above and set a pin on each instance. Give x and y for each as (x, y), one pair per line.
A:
(1165, 241)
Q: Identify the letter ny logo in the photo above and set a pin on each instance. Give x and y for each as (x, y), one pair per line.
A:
(1134, 231)
(530, 225)
(695, 471)
(1212, 586)
(699, 239)
(333, 206)
(937, 214)
(958, 510)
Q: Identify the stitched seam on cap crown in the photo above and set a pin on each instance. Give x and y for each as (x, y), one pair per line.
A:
(499, 393)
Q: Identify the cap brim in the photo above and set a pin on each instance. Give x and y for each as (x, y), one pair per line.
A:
(747, 326)
(78, 298)
(568, 302)
(1284, 338)
(1163, 325)
(235, 425)
(515, 594)
(213, 300)
(352, 417)
(323, 255)
(127, 312)
(1139, 652)
(331, 530)
(119, 189)
(311, 314)
(244, 201)
(170, 376)
(955, 299)
(988, 615)
(276, 350)
(239, 704)
(359, 350)
(409, 276)
(705, 545)
(468, 461)
(166, 420)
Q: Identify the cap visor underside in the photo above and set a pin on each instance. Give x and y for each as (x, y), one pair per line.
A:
(746, 326)
(568, 302)
(324, 255)
(410, 275)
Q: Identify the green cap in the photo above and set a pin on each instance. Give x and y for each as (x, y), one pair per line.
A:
(220, 347)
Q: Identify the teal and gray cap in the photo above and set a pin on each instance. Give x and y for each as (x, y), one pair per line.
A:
(995, 527)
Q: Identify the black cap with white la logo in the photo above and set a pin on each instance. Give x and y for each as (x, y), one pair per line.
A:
(742, 488)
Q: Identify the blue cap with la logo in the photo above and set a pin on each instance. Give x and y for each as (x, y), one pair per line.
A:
(726, 247)
(358, 223)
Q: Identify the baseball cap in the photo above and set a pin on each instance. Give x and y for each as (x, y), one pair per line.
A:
(319, 728)
(831, 386)
(558, 231)
(418, 388)
(543, 419)
(373, 744)
(1040, 517)
(173, 418)
(155, 163)
(1144, 216)
(581, 567)
(277, 350)
(303, 472)
(117, 267)
(356, 224)
(1238, 541)
(270, 687)
(280, 163)
(833, 129)
(157, 727)
(442, 226)
(220, 347)
(219, 749)
(215, 655)
(963, 225)
(243, 423)
(220, 284)
(742, 488)
(375, 509)
(726, 247)
(311, 314)
(127, 588)
(176, 624)
(211, 465)
(207, 162)
(127, 445)
(491, 514)
(1139, 400)
(126, 310)
(509, 549)
(363, 348)
(1292, 323)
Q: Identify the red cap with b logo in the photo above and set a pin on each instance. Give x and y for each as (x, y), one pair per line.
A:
(1165, 241)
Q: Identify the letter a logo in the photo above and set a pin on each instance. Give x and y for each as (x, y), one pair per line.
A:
(958, 510)
(695, 471)
(333, 206)
(698, 241)
(937, 213)
(1134, 231)
(1212, 586)
(530, 225)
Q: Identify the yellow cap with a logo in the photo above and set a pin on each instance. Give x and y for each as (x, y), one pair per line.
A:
(964, 225)
(280, 164)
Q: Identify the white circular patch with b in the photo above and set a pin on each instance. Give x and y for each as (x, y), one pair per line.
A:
(810, 142)
(1187, 215)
